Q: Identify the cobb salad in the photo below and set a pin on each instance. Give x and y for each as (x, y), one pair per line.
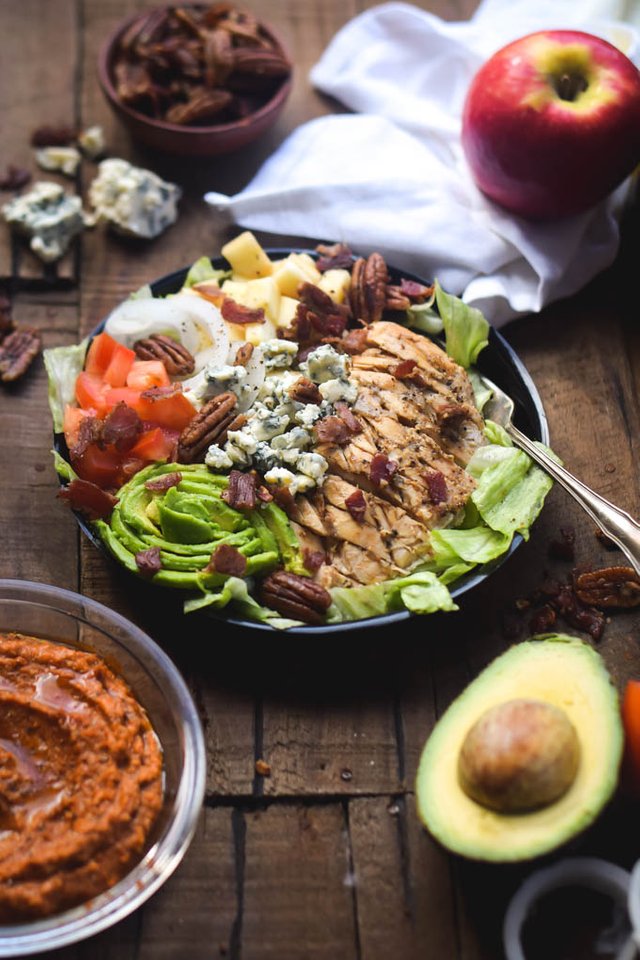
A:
(285, 435)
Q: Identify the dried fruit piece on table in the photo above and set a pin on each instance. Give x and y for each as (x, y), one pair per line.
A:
(47, 215)
(17, 352)
(14, 177)
(296, 597)
(368, 291)
(50, 136)
(609, 587)
(177, 360)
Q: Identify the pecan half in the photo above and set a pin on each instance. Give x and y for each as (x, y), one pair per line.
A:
(210, 425)
(368, 291)
(305, 391)
(244, 354)
(295, 596)
(17, 352)
(610, 587)
(177, 360)
(203, 105)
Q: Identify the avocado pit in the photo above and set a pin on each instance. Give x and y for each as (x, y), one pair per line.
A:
(519, 755)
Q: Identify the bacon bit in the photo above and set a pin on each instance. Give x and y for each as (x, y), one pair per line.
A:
(564, 548)
(283, 497)
(165, 482)
(241, 492)
(332, 430)
(436, 486)
(313, 559)
(89, 431)
(263, 494)
(382, 469)
(209, 290)
(354, 341)
(14, 177)
(352, 422)
(148, 561)
(417, 292)
(229, 560)
(122, 427)
(356, 505)
(89, 499)
(404, 369)
(336, 256)
(244, 354)
(234, 312)
(324, 316)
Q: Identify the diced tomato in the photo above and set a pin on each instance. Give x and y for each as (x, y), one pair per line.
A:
(145, 374)
(171, 409)
(99, 354)
(120, 364)
(73, 417)
(90, 392)
(155, 444)
(115, 395)
(631, 724)
(131, 466)
(102, 466)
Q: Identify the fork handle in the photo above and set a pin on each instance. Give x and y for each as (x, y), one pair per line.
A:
(618, 525)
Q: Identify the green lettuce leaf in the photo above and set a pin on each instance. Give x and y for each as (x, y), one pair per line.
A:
(64, 470)
(419, 592)
(236, 591)
(466, 330)
(203, 270)
(63, 364)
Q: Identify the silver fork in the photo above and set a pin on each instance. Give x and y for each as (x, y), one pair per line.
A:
(617, 524)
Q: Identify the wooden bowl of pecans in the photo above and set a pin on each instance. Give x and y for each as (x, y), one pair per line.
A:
(195, 80)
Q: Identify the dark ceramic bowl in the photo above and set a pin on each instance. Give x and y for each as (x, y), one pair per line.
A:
(203, 141)
(498, 361)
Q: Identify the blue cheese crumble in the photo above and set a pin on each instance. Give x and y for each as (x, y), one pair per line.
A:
(49, 216)
(134, 201)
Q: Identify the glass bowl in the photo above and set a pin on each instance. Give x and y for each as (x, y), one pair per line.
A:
(51, 613)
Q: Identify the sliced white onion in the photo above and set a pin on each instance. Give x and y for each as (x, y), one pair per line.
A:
(195, 322)
(256, 372)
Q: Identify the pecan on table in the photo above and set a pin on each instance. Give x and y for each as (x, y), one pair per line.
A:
(295, 596)
(368, 291)
(210, 425)
(17, 352)
(7, 325)
(608, 587)
(177, 360)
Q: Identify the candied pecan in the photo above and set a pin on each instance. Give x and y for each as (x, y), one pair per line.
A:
(88, 498)
(356, 505)
(177, 360)
(336, 256)
(17, 352)
(165, 482)
(354, 341)
(609, 587)
(148, 561)
(382, 469)
(253, 66)
(228, 559)
(563, 548)
(122, 427)
(295, 596)
(241, 492)
(203, 105)
(368, 291)
(345, 413)
(332, 430)
(313, 559)
(48, 136)
(543, 619)
(210, 425)
(436, 486)
(244, 354)
(14, 177)
(234, 312)
(305, 391)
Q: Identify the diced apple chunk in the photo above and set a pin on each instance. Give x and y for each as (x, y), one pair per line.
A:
(256, 294)
(288, 308)
(294, 270)
(257, 333)
(336, 284)
(246, 257)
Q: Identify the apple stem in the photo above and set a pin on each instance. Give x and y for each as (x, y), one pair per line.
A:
(569, 85)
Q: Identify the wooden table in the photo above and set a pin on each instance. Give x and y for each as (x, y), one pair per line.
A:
(325, 858)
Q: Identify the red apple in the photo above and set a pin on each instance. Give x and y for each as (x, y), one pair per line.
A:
(551, 123)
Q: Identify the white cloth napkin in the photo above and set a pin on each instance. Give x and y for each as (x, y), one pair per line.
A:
(391, 177)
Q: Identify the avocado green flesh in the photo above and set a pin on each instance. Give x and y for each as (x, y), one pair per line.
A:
(559, 670)
(188, 522)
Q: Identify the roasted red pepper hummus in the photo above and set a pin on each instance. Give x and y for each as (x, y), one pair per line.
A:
(80, 777)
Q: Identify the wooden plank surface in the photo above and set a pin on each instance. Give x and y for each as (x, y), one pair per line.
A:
(324, 856)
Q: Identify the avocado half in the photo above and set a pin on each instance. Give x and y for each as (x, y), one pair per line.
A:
(559, 670)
